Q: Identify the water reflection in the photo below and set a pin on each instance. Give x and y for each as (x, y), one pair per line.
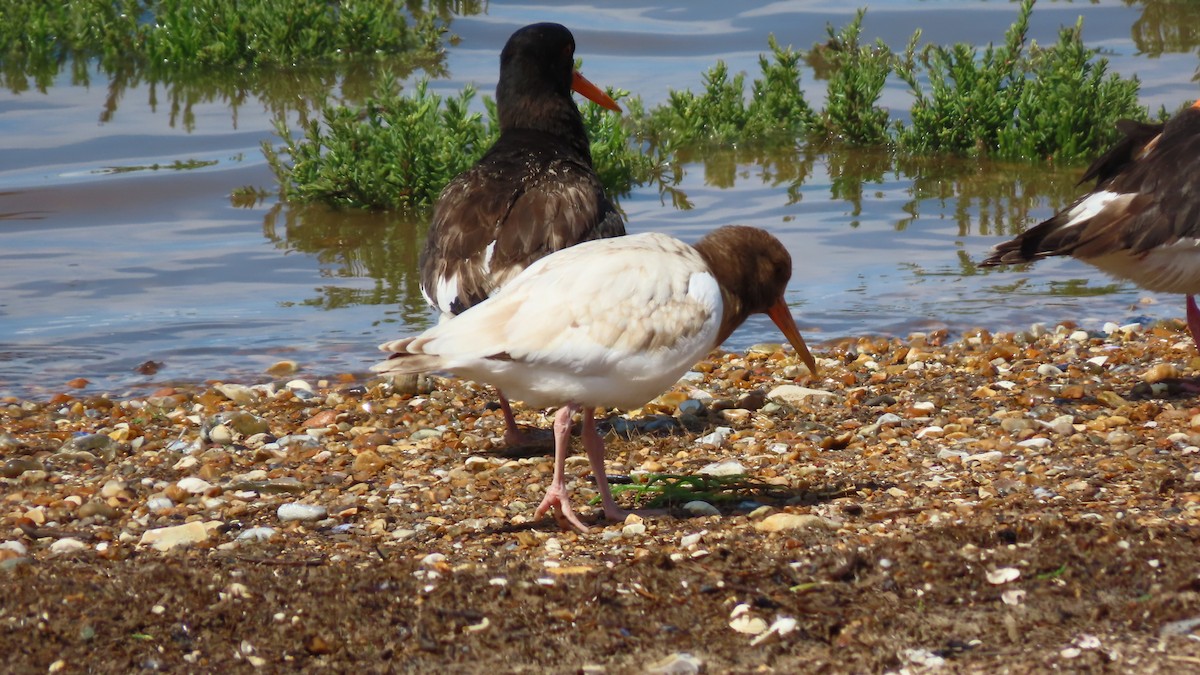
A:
(104, 270)
(858, 185)
(1166, 26)
(355, 244)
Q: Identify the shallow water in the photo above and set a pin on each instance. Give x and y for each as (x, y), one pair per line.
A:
(102, 270)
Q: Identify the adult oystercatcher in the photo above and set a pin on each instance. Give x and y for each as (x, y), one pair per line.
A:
(609, 323)
(533, 193)
(1142, 220)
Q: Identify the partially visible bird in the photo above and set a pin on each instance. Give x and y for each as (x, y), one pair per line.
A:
(533, 193)
(608, 323)
(1142, 220)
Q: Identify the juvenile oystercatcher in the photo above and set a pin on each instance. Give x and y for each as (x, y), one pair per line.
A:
(1142, 220)
(609, 323)
(533, 193)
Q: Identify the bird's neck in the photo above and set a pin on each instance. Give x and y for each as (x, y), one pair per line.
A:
(553, 114)
(733, 309)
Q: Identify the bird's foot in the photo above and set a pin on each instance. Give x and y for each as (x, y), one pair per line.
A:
(556, 499)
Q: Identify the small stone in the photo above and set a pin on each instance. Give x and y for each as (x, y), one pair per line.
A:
(87, 443)
(633, 530)
(297, 511)
(735, 415)
(18, 466)
(729, 467)
(159, 504)
(281, 368)
(167, 538)
(98, 509)
(793, 394)
(220, 434)
(240, 394)
(257, 534)
(247, 424)
(1160, 372)
(17, 547)
(1003, 575)
(780, 522)
(679, 663)
(67, 545)
(369, 462)
(698, 507)
(422, 434)
(1047, 370)
(193, 485)
(1013, 596)
(112, 488)
(742, 621)
(717, 437)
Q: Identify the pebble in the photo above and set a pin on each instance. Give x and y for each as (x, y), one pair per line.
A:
(167, 538)
(15, 546)
(18, 466)
(1003, 575)
(679, 663)
(67, 545)
(159, 504)
(717, 437)
(422, 434)
(795, 395)
(240, 394)
(298, 511)
(729, 467)
(780, 522)
(698, 507)
(256, 534)
(221, 435)
(193, 485)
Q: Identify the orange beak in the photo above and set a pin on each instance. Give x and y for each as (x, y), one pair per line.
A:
(593, 93)
(782, 317)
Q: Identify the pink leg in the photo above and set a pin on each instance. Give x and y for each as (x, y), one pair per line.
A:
(556, 495)
(595, 454)
(1193, 319)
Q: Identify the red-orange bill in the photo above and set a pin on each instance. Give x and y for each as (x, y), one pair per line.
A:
(593, 93)
(782, 317)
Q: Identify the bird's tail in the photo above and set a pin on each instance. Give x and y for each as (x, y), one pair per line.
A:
(402, 361)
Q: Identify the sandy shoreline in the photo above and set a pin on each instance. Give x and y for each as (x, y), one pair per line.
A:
(989, 501)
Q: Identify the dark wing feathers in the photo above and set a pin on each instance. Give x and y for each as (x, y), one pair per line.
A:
(1153, 168)
(1131, 146)
(531, 196)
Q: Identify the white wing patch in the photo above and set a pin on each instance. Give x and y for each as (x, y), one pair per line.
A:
(486, 262)
(447, 291)
(1091, 206)
(704, 289)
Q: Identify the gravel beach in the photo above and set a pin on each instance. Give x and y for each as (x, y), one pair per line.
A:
(967, 503)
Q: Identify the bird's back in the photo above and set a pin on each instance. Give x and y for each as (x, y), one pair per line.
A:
(529, 196)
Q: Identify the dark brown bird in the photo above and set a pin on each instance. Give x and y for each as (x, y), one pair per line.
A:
(1142, 220)
(533, 193)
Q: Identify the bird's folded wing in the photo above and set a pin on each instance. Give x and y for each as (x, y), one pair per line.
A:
(588, 307)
